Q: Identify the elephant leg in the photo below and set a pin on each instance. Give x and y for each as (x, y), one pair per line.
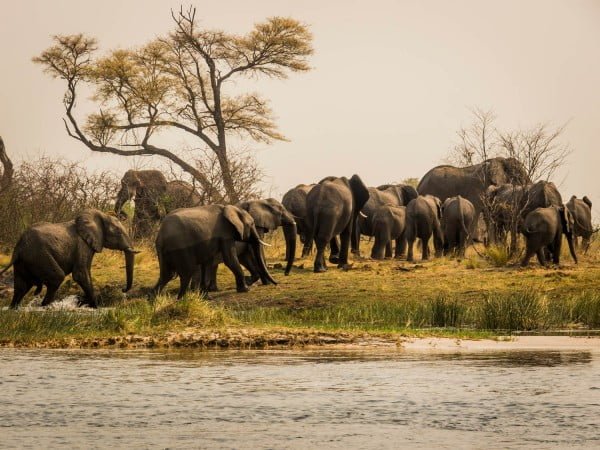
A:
(84, 280)
(541, 257)
(231, 261)
(166, 275)
(210, 277)
(198, 279)
(320, 265)
(51, 289)
(307, 249)
(334, 255)
(409, 256)
(344, 247)
(425, 248)
(388, 250)
(556, 249)
(400, 247)
(249, 262)
(21, 288)
(184, 282)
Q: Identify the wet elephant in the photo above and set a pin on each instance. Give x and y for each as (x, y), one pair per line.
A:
(47, 252)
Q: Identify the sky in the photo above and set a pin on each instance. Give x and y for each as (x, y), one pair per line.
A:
(392, 81)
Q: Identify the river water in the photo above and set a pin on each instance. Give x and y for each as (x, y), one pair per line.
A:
(288, 399)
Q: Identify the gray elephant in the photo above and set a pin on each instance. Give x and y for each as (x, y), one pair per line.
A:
(294, 201)
(192, 238)
(509, 204)
(543, 229)
(471, 182)
(47, 252)
(268, 215)
(423, 220)
(332, 208)
(387, 194)
(154, 197)
(389, 224)
(581, 210)
(458, 222)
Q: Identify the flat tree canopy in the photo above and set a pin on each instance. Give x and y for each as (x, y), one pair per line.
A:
(178, 82)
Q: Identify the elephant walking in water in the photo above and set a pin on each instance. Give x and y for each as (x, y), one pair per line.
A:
(154, 197)
(47, 252)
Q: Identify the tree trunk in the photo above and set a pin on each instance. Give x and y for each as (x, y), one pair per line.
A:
(7, 175)
(228, 184)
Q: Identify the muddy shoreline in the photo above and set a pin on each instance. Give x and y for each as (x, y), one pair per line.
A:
(253, 339)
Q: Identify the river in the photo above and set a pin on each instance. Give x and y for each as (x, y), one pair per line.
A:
(292, 399)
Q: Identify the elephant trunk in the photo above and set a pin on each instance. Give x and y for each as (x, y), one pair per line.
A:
(255, 244)
(571, 246)
(122, 197)
(289, 232)
(129, 260)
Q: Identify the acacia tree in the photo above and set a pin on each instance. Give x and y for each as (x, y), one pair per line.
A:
(178, 82)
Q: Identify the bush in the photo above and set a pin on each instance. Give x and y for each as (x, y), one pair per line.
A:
(51, 190)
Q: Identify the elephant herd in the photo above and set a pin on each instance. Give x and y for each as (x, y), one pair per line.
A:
(192, 240)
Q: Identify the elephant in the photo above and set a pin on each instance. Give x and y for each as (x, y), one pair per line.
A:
(192, 239)
(509, 204)
(47, 252)
(458, 222)
(543, 229)
(294, 201)
(581, 210)
(471, 182)
(332, 208)
(389, 223)
(154, 197)
(387, 194)
(423, 219)
(268, 215)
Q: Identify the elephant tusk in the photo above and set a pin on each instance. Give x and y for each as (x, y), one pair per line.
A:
(131, 250)
(264, 243)
(363, 215)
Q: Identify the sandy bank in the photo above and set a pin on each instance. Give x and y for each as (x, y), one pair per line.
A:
(310, 339)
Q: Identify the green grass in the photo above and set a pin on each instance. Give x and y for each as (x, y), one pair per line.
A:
(441, 297)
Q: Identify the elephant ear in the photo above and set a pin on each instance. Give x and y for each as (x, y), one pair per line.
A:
(515, 172)
(408, 193)
(566, 219)
(90, 229)
(360, 193)
(587, 201)
(241, 221)
(265, 213)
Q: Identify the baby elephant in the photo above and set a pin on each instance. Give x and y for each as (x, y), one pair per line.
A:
(388, 223)
(458, 216)
(543, 229)
(423, 216)
(47, 252)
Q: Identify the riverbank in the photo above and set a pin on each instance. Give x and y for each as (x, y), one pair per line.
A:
(372, 303)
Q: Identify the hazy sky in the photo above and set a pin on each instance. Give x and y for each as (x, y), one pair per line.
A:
(392, 80)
